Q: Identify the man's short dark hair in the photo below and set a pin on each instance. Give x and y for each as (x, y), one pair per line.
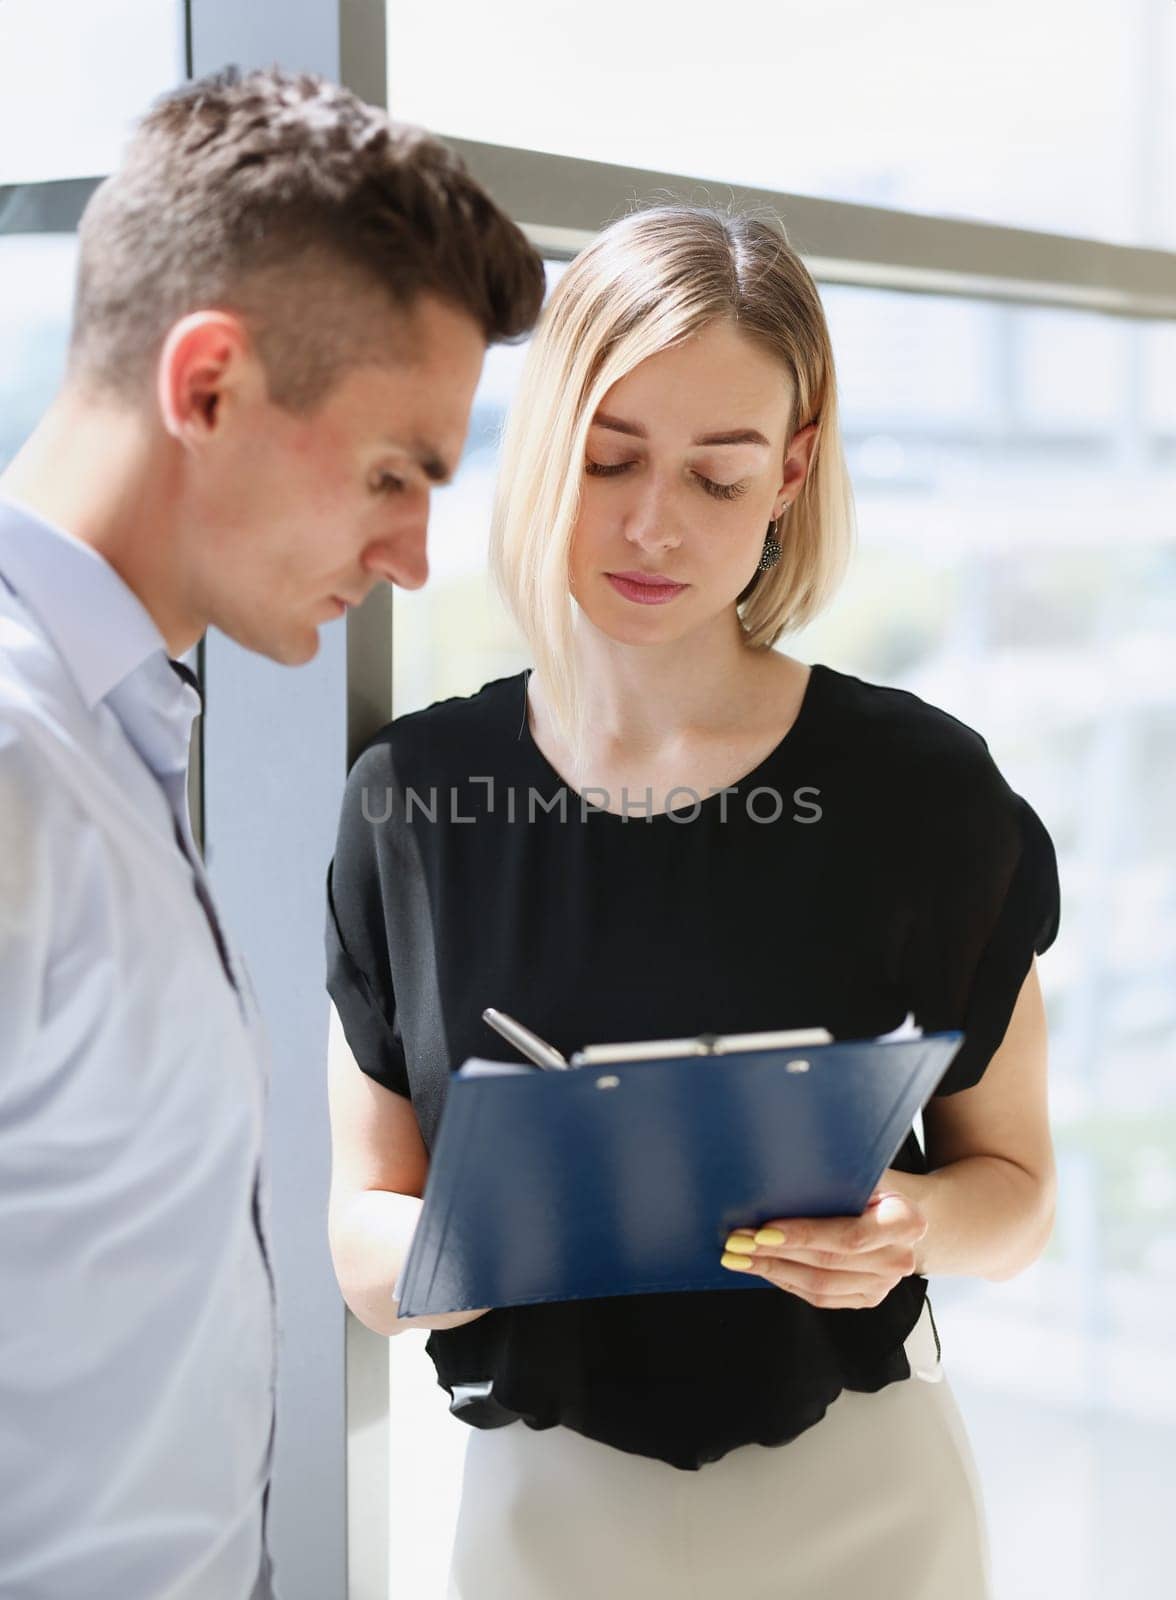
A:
(285, 199)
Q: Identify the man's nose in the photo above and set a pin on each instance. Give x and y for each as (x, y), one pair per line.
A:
(402, 559)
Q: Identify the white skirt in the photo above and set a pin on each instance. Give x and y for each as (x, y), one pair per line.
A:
(880, 1499)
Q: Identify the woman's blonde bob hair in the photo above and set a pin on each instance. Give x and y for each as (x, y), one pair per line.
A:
(647, 282)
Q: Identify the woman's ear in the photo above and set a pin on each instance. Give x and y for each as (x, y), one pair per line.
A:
(797, 460)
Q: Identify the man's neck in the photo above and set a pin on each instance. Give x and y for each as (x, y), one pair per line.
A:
(93, 472)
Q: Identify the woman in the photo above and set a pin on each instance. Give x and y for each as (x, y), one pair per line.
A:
(752, 843)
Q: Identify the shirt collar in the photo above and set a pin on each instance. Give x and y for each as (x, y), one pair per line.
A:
(100, 628)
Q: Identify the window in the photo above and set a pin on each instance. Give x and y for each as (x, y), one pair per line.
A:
(1058, 116)
(73, 76)
(36, 292)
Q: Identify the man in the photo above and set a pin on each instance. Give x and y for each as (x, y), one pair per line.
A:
(282, 307)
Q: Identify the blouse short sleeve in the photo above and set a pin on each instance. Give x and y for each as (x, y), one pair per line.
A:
(359, 976)
(988, 901)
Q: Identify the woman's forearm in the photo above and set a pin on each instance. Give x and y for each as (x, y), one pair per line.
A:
(370, 1238)
(986, 1217)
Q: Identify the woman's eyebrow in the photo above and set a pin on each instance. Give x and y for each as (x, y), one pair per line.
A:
(636, 431)
(735, 436)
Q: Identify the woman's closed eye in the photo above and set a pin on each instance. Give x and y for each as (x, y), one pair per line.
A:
(720, 491)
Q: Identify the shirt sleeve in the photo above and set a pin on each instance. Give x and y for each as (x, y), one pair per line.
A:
(987, 901)
(359, 966)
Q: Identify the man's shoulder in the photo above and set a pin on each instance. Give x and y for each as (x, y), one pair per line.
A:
(37, 804)
(41, 826)
(45, 736)
(25, 776)
(36, 687)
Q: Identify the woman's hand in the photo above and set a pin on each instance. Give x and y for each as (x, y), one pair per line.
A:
(836, 1263)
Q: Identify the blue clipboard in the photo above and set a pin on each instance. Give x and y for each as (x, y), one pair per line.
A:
(626, 1178)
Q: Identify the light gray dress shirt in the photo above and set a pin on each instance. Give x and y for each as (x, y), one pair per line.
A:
(136, 1302)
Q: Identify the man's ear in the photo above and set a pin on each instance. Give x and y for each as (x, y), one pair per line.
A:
(207, 364)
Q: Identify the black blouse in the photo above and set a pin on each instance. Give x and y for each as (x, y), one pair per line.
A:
(875, 863)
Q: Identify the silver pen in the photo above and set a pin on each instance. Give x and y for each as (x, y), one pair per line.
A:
(525, 1042)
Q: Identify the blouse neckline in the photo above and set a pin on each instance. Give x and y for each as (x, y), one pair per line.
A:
(796, 734)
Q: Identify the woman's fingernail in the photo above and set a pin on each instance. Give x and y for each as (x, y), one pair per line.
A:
(739, 1244)
(737, 1263)
(770, 1236)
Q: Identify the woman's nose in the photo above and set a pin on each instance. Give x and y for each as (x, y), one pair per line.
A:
(651, 525)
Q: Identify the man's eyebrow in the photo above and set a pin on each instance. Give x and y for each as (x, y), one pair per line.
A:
(636, 431)
(426, 457)
(432, 466)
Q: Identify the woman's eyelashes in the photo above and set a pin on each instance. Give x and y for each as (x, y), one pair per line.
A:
(720, 491)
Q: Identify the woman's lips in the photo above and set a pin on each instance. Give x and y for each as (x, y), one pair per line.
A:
(644, 589)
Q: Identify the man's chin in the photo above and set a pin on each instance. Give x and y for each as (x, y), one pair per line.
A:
(299, 649)
(289, 637)
(293, 647)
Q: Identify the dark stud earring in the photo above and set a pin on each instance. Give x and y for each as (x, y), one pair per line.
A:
(773, 550)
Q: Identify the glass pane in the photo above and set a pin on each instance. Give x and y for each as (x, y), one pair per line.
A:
(1059, 116)
(74, 75)
(36, 294)
(1015, 472)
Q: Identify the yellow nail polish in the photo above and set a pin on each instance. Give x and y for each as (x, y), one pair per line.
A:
(737, 1263)
(739, 1244)
(769, 1236)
